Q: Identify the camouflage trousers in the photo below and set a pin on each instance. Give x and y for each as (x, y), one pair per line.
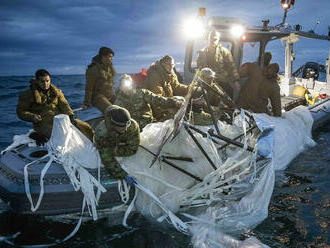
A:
(114, 169)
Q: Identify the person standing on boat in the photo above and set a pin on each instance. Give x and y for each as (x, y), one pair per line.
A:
(162, 80)
(41, 102)
(261, 85)
(253, 74)
(116, 136)
(221, 61)
(139, 101)
(269, 89)
(99, 80)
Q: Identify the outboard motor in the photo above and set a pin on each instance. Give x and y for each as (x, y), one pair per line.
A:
(311, 70)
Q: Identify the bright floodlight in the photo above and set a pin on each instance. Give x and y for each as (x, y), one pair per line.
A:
(237, 31)
(193, 28)
(126, 84)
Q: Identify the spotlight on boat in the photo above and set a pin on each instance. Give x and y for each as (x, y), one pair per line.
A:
(286, 4)
(237, 31)
(193, 28)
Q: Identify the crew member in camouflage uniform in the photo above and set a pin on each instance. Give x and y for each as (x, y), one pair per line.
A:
(99, 80)
(41, 102)
(116, 136)
(208, 76)
(138, 101)
(269, 89)
(261, 85)
(203, 116)
(162, 81)
(253, 74)
(221, 61)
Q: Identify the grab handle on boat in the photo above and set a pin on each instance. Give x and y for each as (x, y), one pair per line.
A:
(77, 109)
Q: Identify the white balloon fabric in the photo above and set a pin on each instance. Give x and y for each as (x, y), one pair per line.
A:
(232, 198)
(76, 153)
(292, 134)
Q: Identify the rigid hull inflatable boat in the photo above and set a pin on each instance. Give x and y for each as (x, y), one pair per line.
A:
(61, 197)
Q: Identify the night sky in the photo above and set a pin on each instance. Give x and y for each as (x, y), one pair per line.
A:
(63, 35)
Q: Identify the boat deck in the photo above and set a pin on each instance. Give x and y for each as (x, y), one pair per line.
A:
(290, 102)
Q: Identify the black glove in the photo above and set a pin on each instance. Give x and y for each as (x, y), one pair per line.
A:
(73, 120)
(39, 138)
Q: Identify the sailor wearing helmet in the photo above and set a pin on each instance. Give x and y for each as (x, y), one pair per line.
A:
(116, 136)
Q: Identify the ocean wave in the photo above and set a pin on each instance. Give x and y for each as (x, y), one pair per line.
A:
(18, 87)
(8, 95)
(12, 124)
(78, 85)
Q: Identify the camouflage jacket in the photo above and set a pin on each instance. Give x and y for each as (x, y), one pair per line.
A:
(221, 62)
(47, 104)
(214, 98)
(99, 81)
(139, 104)
(269, 90)
(162, 83)
(112, 144)
(249, 91)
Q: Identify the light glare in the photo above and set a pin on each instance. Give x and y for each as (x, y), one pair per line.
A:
(127, 84)
(237, 30)
(193, 28)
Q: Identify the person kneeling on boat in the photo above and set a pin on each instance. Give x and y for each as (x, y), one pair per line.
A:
(41, 102)
(139, 101)
(162, 80)
(116, 136)
(217, 99)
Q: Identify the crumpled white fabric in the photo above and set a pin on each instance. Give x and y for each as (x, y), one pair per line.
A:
(245, 206)
(76, 153)
(20, 140)
(292, 134)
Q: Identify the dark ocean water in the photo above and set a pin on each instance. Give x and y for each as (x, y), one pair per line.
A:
(299, 213)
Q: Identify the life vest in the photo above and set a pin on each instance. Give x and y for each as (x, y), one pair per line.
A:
(138, 78)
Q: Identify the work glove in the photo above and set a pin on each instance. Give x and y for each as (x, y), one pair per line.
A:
(39, 138)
